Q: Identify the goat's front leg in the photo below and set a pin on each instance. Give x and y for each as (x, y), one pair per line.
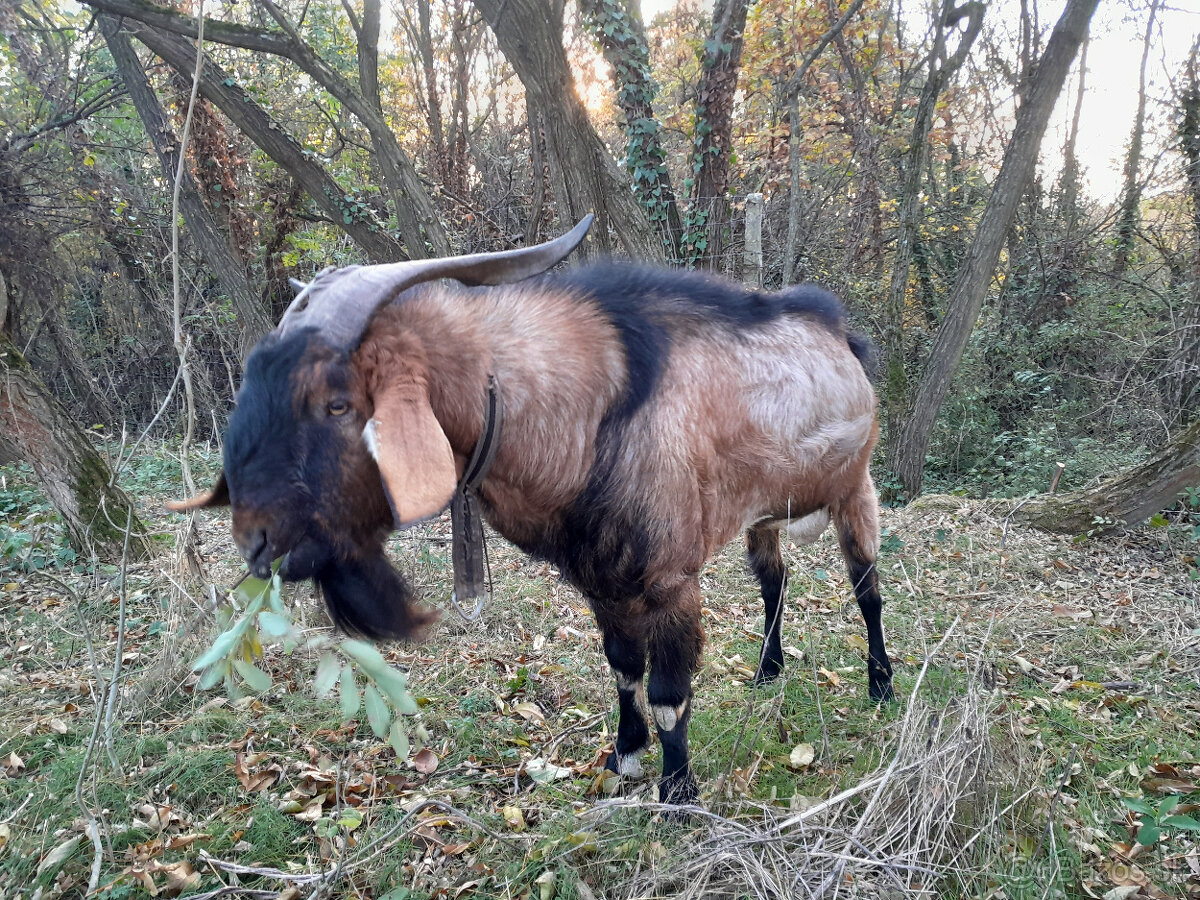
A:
(627, 657)
(675, 640)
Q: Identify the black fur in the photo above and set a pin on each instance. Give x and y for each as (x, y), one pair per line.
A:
(864, 576)
(366, 596)
(766, 561)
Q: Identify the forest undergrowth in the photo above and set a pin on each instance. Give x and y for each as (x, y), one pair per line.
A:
(1045, 741)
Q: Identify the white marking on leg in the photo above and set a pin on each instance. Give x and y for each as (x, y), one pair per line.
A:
(626, 682)
(630, 765)
(667, 717)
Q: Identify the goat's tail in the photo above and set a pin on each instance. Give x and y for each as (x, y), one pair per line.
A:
(865, 351)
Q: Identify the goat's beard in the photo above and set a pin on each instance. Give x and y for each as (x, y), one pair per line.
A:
(364, 593)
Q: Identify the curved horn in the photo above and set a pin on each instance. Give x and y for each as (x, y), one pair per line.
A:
(341, 302)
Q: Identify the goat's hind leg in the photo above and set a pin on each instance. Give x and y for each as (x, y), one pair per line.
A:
(766, 561)
(675, 640)
(627, 657)
(857, 522)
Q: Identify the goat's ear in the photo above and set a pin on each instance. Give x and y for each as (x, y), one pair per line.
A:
(412, 452)
(218, 496)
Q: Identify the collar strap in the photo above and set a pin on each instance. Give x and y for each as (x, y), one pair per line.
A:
(468, 545)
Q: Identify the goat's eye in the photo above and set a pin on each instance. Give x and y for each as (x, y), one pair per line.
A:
(338, 407)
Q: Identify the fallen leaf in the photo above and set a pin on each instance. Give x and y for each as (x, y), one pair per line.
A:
(1061, 611)
(12, 764)
(59, 854)
(546, 883)
(514, 817)
(542, 771)
(425, 762)
(801, 756)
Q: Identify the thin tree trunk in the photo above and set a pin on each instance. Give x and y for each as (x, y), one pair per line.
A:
(416, 217)
(71, 472)
(586, 177)
(617, 27)
(912, 163)
(1185, 362)
(708, 213)
(1070, 170)
(225, 265)
(1131, 193)
(966, 300)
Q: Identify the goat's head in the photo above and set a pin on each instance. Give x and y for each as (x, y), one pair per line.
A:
(324, 456)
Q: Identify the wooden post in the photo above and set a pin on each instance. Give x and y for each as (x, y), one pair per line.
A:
(752, 255)
(1058, 470)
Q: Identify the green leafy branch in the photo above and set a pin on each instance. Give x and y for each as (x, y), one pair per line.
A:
(254, 615)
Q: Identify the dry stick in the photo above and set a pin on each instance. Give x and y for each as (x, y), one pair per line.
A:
(114, 683)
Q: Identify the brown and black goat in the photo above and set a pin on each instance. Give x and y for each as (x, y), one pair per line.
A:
(649, 416)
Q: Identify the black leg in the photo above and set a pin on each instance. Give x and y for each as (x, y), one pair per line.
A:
(766, 561)
(879, 668)
(858, 534)
(627, 656)
(675, 641)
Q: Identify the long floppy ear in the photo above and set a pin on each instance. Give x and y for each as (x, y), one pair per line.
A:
(412, 452)
(217, 496)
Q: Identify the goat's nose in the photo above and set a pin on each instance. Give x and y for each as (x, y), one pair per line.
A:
(256, 553)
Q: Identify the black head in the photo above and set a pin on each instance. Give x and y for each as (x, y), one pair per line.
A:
(303, 485)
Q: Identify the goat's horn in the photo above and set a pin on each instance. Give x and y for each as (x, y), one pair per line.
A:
(297, 284)
(341, 302)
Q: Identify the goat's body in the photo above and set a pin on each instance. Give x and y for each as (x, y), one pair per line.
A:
(648, 420)
(732, 425)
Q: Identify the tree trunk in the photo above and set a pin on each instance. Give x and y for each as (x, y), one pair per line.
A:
(586, 177)
(1070, 169)
(617, 27)
(966, 300)
(912, 164)
(74, 477)
(1185, 362)
(416, 217)
(225, 265)
(1131, 193)
(708, 214)
(1129, 498)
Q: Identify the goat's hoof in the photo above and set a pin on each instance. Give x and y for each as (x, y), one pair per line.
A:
(881, 692)
(767, 673)
(678, 789)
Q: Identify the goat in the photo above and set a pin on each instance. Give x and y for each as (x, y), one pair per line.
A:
(650, 415)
